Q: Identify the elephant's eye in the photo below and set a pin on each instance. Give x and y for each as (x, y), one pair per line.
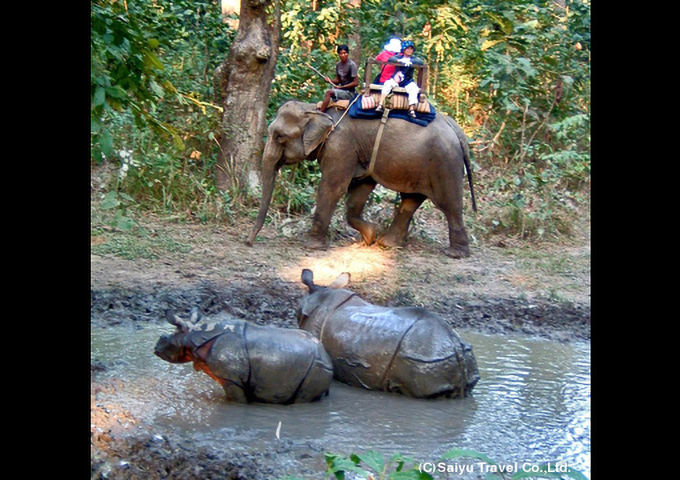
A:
(281, 138)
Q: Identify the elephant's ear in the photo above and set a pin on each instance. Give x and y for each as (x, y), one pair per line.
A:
(316, 131)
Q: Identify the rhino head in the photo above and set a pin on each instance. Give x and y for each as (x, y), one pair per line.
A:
(174, 348)
(321, 299)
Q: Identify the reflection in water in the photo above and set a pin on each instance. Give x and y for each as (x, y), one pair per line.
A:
(532, 404)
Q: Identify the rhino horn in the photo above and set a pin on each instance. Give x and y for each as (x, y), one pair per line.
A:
(176, 321)
(341, 281)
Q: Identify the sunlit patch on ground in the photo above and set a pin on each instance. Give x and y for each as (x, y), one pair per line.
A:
(360, 261)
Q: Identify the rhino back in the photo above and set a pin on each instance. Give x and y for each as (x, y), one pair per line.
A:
(433, 360)
(362, 340)
(281, 361)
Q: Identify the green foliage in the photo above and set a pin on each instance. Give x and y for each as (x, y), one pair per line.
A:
(119, 203)
(125, 70)
(372, 465)
(152, 84)
(296, 188)
(374, 461)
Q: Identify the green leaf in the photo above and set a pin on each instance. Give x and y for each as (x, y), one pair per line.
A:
(116, 92)
(338, 465)
(157, 89)
(505, 24)
(99, 96)
(152, 61)
(106, 142)
(490, 43)
(531, 24)
(178, 142)
(373, 460)
(95, 126)
(126, 197)
(124, 223)
(110, 201)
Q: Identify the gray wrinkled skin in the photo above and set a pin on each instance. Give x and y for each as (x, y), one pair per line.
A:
(405, 350)
(252, 363)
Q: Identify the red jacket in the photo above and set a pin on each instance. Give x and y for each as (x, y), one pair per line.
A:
(388, 70)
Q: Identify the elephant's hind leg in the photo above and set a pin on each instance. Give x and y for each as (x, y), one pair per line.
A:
(459, 246)
(396, 234)
(357, 196)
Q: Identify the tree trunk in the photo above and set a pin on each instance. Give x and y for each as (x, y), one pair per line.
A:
(243, 82)
(355, 38)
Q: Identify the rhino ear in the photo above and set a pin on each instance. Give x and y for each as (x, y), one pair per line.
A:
(176, 321)
(196, 315)
(342, 281)
(308, 279)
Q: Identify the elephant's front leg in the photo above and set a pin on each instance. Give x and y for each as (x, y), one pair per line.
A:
(396, 234)
(357, 197)
(331, 188)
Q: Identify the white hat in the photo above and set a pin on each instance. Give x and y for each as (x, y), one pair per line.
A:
(394, 45)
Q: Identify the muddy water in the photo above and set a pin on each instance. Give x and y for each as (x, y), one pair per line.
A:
(532, 404)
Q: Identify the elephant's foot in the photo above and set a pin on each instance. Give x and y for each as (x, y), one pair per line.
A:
(459, 251)
(317, 243)
(393, 241)
(369, 232)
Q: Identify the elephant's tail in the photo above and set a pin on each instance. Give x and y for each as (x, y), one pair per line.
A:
(465, 147)
(466, 158)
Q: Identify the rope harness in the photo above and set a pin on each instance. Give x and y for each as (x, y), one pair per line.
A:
(346, 110)
(374, 154)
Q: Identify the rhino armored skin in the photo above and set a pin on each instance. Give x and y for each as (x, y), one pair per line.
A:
(252, 363)
(406, 350)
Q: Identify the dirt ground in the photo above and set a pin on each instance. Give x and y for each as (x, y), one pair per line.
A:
(504, 287)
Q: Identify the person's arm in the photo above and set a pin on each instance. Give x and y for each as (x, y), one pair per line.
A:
(335, 84)
(353, 83)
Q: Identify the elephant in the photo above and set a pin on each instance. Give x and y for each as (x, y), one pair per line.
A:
(406, 350)
(253, 363)
(419, 162)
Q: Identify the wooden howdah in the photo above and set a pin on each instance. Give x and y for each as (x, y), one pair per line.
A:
(398, 99)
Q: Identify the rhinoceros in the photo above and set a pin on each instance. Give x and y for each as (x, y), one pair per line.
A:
(253, 363)
(408, 350)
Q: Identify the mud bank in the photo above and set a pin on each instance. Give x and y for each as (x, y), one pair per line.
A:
(277, 303)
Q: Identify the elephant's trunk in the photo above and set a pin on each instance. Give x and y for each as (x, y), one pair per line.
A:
(270, 167)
